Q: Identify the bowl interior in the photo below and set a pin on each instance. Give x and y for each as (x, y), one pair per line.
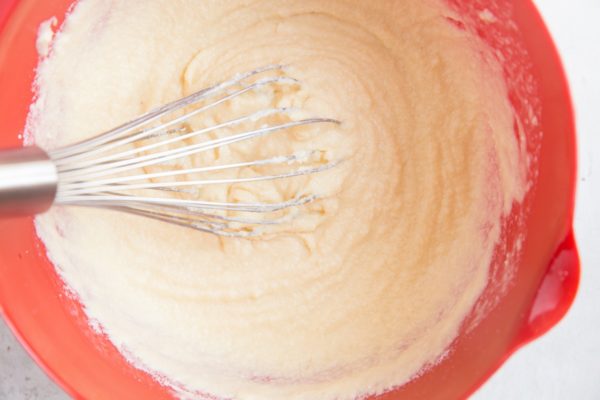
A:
(52, 326)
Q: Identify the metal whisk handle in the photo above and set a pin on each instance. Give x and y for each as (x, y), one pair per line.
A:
(28, 181)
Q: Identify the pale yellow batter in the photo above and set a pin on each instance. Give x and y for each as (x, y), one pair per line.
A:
(369, 286)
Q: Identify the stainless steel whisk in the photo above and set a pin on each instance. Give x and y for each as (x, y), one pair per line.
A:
(104, 171)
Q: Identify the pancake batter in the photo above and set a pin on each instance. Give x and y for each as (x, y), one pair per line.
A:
(370, 285)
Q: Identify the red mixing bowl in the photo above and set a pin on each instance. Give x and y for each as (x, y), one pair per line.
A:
(54, 329)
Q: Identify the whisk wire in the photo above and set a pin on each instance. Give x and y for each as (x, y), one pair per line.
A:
(157, 113)
(99, 172)
(125, 137)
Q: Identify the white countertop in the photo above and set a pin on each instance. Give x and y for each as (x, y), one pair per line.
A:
(563, 364)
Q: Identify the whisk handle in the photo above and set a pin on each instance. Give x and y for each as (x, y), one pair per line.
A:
(28, 181)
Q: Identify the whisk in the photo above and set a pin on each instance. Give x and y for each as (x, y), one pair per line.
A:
(107, 170)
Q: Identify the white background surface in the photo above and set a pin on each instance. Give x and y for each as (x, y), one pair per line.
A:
(565, 363)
